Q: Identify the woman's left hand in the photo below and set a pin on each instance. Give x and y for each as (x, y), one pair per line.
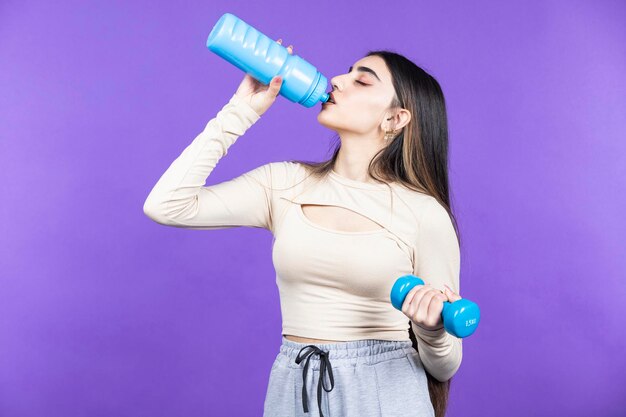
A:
(424, 304)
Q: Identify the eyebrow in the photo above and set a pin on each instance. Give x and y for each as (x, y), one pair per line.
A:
(366, 69)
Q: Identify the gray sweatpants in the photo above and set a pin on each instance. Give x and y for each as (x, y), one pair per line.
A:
(361, 378)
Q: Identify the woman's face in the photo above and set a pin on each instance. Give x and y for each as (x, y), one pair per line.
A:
(362, 99)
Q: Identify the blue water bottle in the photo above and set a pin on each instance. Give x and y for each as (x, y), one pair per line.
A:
(263, 58)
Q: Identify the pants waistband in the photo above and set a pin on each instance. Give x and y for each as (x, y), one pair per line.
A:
(350, 353)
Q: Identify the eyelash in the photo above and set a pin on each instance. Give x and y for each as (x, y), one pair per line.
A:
(357, 81)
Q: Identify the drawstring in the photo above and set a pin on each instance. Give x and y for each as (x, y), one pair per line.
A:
(324, 362)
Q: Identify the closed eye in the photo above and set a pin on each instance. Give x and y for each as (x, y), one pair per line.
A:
(362, 83)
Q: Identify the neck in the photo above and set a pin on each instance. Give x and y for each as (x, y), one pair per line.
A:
(355, 154)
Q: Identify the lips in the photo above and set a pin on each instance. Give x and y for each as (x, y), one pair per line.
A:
(331, 98)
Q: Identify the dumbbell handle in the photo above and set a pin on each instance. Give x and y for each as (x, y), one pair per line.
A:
(460, 318)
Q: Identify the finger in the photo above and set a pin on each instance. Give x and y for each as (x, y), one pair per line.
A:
(424, 310)
(414, 305)
(412, 298)
(275, 84)
(279, 41)
(435, 309)
(451, 295)
(290, 49)
(408, 299)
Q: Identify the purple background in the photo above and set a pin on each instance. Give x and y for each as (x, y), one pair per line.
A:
(105, 313)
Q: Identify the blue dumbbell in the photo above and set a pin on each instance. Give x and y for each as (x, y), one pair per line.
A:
(460, 318)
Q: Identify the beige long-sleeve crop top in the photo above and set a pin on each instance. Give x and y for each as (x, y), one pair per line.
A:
(333, 284)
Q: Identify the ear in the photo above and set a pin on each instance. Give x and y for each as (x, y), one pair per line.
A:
(396, 119)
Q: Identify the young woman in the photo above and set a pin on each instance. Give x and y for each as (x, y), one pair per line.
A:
(344, 230)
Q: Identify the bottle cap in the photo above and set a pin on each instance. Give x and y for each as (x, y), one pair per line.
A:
(318, 93)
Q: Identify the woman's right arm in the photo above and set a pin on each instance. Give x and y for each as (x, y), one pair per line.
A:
(180, 198)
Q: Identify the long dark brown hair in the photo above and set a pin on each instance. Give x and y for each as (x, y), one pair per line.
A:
(417, 158)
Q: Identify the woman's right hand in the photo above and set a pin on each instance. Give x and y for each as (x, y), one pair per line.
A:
(259, 96)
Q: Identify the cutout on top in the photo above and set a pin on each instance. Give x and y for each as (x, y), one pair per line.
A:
(339, 218)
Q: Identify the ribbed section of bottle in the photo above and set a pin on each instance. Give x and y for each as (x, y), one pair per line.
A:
(247, 48)
(263, 58)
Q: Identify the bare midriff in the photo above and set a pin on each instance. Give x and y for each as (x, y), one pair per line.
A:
(307, 340)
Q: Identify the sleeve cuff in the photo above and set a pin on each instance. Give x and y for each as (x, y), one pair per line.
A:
(433, 337)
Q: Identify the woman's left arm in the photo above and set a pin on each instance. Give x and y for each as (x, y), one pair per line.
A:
(438, 265)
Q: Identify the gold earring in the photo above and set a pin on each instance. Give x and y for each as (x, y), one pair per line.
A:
(389, 134)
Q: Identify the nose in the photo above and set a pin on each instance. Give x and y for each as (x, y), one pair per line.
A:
(334, 83)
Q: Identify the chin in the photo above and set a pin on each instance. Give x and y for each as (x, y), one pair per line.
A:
(328, 118)
(323, 120)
